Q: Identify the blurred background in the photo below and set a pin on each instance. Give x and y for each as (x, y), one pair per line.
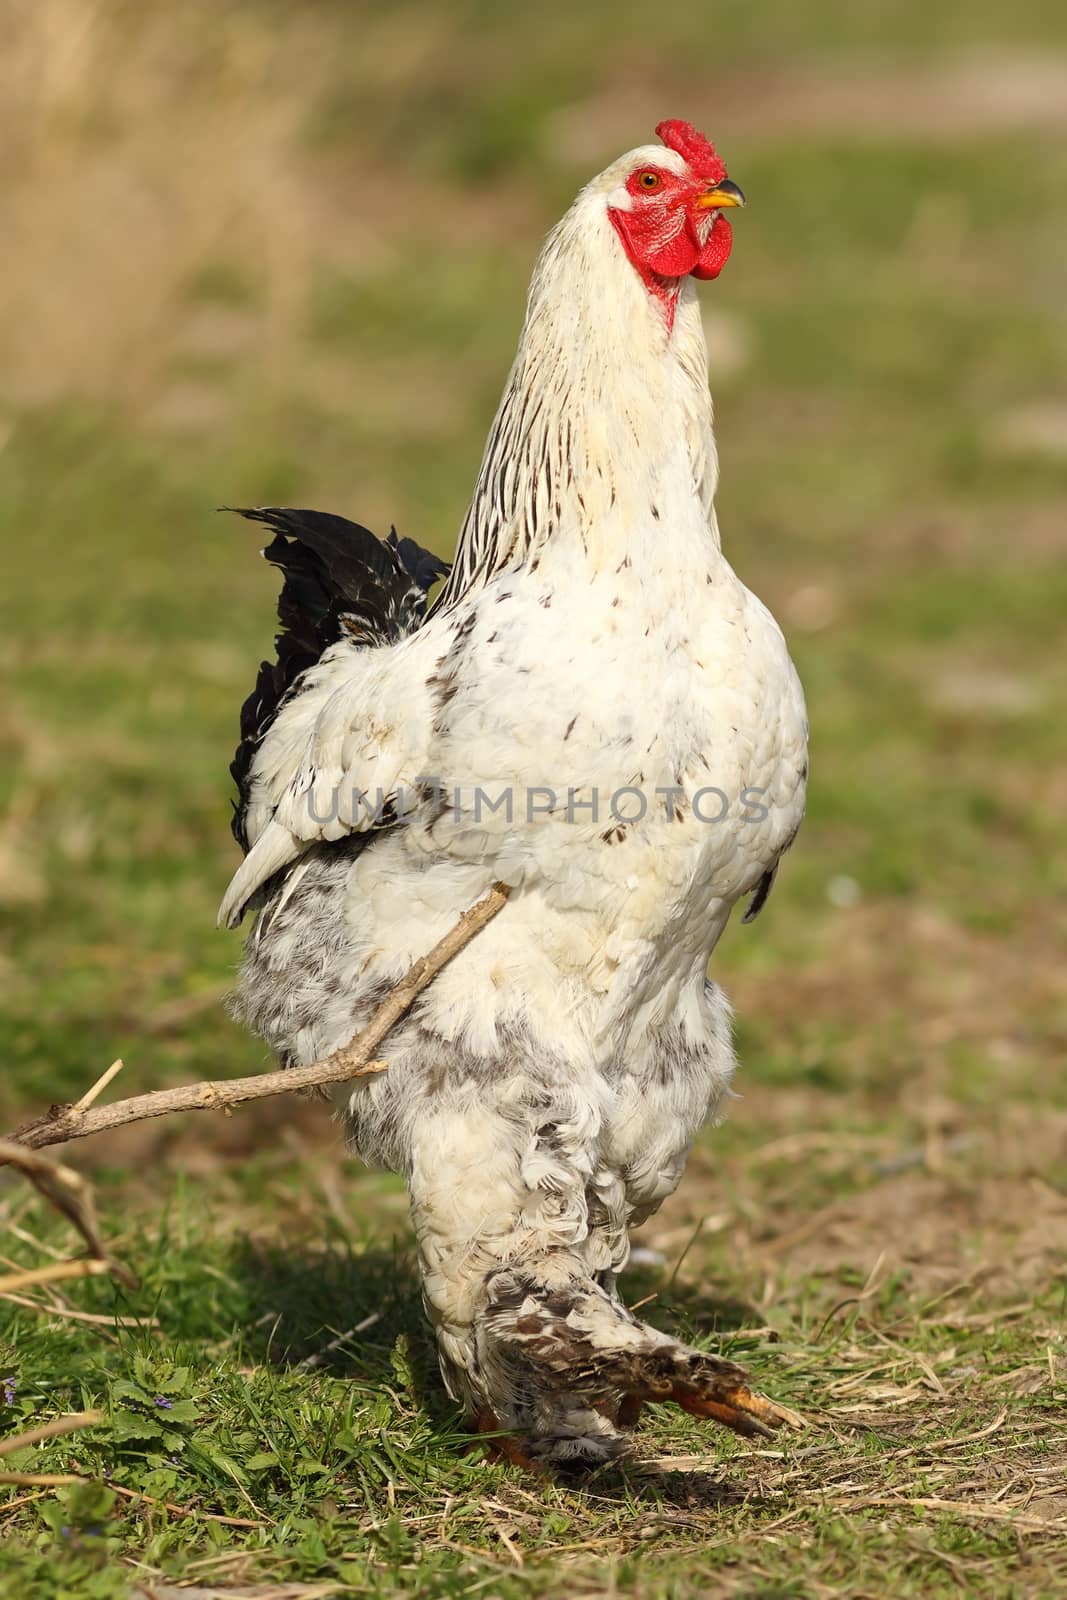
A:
(260, 252)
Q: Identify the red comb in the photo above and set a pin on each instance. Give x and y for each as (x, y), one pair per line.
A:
(693, 148)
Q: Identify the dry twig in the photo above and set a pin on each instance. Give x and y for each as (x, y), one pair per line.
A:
(47, 1430)
(38, 1480)
(182, 1511)
(57, 1272)
(50, 1430)
(71, 1195)
(354, 1061)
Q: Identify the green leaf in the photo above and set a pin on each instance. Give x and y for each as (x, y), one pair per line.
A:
(400, 1361)
(179, 1382)
(88, 1503)
(220, 1459)
(124, 1390)
(135, 1425)
(181, 1411)
(142, 1371)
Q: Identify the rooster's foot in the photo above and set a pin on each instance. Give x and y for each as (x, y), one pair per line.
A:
(746, 1413)
(705, 1386)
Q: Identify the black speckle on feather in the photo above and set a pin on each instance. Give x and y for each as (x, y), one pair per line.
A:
(762, 891)
(338, 580)
(760, 895)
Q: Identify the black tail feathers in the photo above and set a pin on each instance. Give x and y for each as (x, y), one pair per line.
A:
(338, 580)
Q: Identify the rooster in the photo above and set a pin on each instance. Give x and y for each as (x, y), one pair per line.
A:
(594, 712)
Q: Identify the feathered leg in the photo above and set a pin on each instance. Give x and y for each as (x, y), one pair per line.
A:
(528, 1338)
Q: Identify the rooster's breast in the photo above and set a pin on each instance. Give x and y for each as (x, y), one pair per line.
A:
(653, 755)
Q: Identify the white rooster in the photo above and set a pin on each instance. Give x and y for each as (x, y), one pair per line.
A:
(595, 712)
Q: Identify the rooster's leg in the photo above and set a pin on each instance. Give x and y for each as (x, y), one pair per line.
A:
(532, 1336)
(503, 1447)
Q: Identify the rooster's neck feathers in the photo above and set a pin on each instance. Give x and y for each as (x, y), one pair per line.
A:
(605, 407)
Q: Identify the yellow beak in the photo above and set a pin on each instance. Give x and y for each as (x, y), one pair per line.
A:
(726, 194)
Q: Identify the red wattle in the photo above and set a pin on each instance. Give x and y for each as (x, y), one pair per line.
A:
(675, 258)
(716, 252)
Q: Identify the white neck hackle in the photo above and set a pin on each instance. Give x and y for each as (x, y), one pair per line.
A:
(605, 403)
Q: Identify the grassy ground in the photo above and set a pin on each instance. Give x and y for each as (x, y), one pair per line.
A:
(279, 253)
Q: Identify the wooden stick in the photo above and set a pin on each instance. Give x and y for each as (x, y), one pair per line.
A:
(50, 1430)
(71, 1194)
(98, 1087)
(183, 1511)
(71, 1314)
(58, 1272)
(355, 1060)
(36, 1480)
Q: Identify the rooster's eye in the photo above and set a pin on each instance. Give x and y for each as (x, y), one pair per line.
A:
(649, 180)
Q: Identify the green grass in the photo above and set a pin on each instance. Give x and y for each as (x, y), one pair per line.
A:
(330, 232)
(356, 1469)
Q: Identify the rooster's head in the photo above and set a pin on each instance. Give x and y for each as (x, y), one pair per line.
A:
(668, 207)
